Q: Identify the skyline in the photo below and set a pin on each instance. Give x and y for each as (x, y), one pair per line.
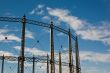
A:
(89, 19)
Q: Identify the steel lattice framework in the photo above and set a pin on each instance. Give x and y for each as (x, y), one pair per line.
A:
(38, 23)
(43, 59)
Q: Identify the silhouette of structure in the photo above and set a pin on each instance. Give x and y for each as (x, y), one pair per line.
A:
(50, 61)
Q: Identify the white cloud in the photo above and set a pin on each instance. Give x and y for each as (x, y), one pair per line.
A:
(46, 17)
(98, 33)
(91, 56)
(60, 34)
(84, 55)
(83, 28)
(94, 56)
(32, 51)
(5, 53)
(49, 18)
(64, 15)
(13, 38)
(46, 30)
(3, 31)
(92, 70)
(32, 12)
(38, 52)
(40, 6)
(29, 34)
(9, 38)
(38, 10)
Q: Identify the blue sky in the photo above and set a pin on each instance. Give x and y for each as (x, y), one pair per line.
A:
(90, 19)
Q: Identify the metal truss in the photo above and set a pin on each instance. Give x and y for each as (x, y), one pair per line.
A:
(40, 59)
(33, 22)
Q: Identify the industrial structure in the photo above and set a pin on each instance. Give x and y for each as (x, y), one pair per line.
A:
(45, 59)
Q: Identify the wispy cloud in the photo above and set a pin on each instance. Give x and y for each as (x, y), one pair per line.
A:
(98, 33)
(86, 30)
(6, 36)
(93, 70)
(90, 56)
(6, 53)
(31, 51)
(38, 10)
(64, 15)
(83, 28)
(60, 34)
(84, 55)
(13, 38)
(10, 37)
(3, 31)
(46, 18)
(29, 34)
(94, 56)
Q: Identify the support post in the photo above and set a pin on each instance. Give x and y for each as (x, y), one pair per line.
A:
(60, 64)
(33, 68)
(47, 63)
(52, 48)
(18, 64)
(77, 56)
(22, 45)
(72, 65)
(2, 69)
(70, 51)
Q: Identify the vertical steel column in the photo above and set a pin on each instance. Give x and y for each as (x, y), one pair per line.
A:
(33, 68)
(47, 63)
(77, 56)
(72, 65)
(2, 69)
(60, 64)
(18, 64)
(70, 51)
(22, 45)
(52, 48)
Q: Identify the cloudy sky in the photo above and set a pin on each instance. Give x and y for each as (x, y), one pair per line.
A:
(90, 19)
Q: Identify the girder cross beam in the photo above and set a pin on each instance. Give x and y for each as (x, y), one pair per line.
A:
(38, 23)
